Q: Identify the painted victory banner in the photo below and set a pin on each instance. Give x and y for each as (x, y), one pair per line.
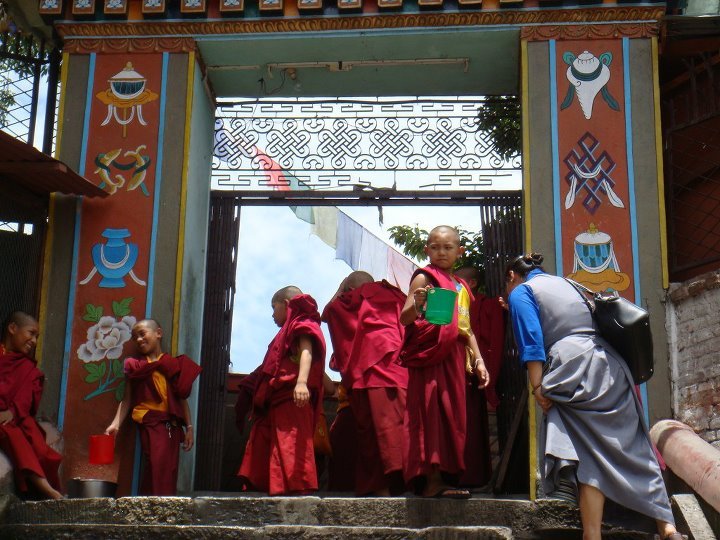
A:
(112, 251)
(592, 174)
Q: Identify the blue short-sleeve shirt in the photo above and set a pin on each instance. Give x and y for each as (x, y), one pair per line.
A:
(525, 316)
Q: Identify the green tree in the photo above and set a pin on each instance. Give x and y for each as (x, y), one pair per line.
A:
(22, 52)
(500, 118)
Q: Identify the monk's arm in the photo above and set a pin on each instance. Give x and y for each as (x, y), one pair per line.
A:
(328, 386)
(415, 300)
(189, 432)
(121, 413)
(480, 370)
(301, 394)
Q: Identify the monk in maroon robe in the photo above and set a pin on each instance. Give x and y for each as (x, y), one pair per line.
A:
(243, 405)
(487, 320)
(159, 385)
(435, 356)
(367, 335)
(279, 456)
(35, 464)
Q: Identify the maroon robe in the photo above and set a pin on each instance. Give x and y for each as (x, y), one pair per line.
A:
(243, 405)
(22, 439)
(435, 419)
(344, 443)
(367, 336)
(161, 433)
(279, 456)
(487, 319)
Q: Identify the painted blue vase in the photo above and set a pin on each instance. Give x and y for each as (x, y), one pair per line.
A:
(115, 258)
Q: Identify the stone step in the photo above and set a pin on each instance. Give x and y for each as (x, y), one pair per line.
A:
(278, 532)
(250, 516)
(249, 511)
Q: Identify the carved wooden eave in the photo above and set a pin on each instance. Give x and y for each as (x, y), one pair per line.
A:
(574, 23)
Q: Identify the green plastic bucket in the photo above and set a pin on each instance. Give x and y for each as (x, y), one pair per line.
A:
(440, 306)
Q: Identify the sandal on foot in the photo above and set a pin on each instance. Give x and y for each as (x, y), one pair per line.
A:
(451, 493)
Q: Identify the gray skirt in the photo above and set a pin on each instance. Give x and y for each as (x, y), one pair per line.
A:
(597, 421)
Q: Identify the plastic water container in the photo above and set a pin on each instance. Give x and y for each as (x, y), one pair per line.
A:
(440, 306)
(101, 449)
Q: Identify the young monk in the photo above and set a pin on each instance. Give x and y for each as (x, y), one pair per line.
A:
(367, 335)
(487, 321)
(435, 356)
(21, 383)
(159, 385)
(279, 456)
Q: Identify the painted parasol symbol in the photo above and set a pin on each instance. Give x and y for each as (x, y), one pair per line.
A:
(127, 94)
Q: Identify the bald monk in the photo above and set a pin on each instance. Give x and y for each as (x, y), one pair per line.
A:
(35, 464)
(159, 385)
(435, 356)
(367, 335)
(279, 456)
(487, 321)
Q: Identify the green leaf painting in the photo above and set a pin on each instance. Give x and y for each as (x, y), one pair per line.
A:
(95, 371)
(92, 313)
(122, 308)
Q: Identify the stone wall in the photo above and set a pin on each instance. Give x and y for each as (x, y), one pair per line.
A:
(693, 325)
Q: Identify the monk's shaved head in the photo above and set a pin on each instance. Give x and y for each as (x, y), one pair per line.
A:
(443, 229)
(286, 293)
(355, 279)
(468, 273)
(150, 323)
(19, 319)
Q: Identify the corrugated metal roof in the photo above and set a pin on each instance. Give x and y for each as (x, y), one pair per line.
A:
(25, 166)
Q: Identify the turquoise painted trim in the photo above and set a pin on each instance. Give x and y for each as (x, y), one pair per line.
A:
(555, 160)
(631, 168)
(86, 120)
(156, 189)
(631, 194)
(70, 312)
(76, 249)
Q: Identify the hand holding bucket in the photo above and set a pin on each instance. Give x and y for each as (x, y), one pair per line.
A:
(440, 305)
(101, 449)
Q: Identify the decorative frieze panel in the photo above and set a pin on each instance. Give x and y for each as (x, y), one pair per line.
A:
(351, 143)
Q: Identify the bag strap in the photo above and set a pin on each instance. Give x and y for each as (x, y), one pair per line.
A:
(583, 291)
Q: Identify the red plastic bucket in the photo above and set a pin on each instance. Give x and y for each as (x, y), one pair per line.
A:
(101, 449)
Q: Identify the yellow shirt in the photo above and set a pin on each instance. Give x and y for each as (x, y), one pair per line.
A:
(463, 312)
(143, 407)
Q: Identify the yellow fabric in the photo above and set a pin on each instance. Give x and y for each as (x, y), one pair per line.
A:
(143, 407)
(463, 312)
(343, 398)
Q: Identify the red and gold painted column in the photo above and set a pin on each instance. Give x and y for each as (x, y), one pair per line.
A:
(594, 183)
(114, 250)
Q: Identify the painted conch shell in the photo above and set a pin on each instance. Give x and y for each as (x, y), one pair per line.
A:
(588, 75)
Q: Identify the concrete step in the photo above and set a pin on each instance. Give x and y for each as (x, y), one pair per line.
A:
(250, 516)
(249, 511)
(278, 532)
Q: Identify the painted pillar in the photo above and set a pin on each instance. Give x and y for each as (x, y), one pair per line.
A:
(135, 119)
(593, 171)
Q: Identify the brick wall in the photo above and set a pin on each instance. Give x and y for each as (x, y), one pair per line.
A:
(693, 325)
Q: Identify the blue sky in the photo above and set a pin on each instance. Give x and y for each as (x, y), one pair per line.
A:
(276, 249)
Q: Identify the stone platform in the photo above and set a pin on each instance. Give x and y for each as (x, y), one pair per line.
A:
(247, 516)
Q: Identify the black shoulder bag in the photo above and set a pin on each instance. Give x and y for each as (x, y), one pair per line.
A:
(625, 326)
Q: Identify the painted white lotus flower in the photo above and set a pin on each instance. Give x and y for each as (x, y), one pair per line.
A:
(106, 339)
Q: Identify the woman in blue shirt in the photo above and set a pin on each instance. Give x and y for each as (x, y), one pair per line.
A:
(593, 434)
